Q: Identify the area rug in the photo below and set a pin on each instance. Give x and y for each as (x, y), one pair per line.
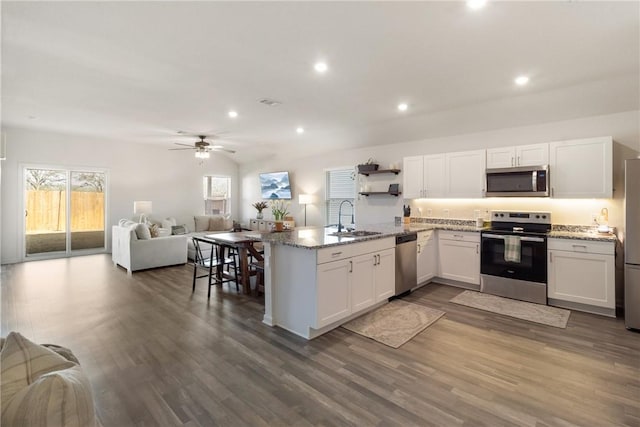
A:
(395, 323)
(550, 316)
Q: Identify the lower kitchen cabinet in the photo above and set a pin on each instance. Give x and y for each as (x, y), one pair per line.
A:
(582, 272)
(426, 261)
(333, 294)
(364, 276)
(459, 256)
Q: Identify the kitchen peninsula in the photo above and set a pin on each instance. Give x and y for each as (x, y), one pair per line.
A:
(316, 280)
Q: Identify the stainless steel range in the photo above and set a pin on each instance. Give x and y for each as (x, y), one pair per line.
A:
(513, 260)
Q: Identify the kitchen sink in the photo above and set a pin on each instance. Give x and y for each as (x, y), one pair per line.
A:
(356, 233)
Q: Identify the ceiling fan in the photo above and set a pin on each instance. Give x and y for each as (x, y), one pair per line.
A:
(202, 147)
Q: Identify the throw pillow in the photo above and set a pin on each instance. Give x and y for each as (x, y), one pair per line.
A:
(142, 231)
(201, 222)
(23, 362)
(60, 398)
(169, 222)
(153, 230)
(178, 229)
(216, 223)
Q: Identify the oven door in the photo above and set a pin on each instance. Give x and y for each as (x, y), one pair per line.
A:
(533, 257)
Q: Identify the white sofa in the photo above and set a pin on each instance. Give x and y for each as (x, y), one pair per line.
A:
(133, 253)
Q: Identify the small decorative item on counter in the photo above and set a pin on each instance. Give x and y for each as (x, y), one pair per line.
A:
(260, 206)
(406, 213)
(369, 166)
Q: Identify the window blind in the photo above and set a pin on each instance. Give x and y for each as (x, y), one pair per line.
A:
(341, 185)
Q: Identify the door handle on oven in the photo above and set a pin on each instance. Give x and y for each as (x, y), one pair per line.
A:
(523, 238)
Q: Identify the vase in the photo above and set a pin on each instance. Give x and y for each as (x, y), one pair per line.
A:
(259, 215)
(279, 226)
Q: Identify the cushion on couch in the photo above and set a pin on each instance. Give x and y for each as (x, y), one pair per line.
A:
(201, 222)
(220, 223)
(169, 222)
(142, 231)
(42, 388)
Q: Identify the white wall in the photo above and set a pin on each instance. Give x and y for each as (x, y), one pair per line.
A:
(172, 180)
(307, 174)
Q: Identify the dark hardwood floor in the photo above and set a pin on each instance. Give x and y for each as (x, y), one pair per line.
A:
(157, 355)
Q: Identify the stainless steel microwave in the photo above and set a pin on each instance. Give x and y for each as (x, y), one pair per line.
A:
(527, 181)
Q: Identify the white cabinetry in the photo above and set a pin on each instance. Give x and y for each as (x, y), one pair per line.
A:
(424, 176)
(351, 278)
(465, 174)
(426, 256)
(444, 175)
(459, 256)
(582, 168)
(582, 272)
(522, 155)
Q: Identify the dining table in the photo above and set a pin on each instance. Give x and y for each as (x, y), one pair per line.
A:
(243, 241)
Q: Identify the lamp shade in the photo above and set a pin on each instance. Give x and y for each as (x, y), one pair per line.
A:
(142, 207)
(304, 199)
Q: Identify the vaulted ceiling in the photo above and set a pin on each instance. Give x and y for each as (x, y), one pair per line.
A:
(142, 71)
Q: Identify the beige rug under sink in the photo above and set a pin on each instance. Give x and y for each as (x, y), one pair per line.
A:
(537, 313)
(395, 323)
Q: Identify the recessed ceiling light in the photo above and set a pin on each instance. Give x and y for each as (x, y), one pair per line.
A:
(522, 80)
(300, 129)
(233, 114)
(321, 67)
(403, 107)
(476, 4)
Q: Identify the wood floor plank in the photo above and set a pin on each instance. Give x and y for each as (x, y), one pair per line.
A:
(156, 354)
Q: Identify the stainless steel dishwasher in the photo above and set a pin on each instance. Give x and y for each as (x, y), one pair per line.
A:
(406, 273)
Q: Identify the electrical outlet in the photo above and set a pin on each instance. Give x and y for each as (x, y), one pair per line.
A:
(446, 213)
(429, 212)
(476, 213)
(594, 218)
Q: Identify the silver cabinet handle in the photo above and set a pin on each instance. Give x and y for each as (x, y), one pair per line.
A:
(518, 160)
(550, 257)
(375, 260)
(477, 249)
(419, 248)
(350, 266)
(334, 254)
(378, 259)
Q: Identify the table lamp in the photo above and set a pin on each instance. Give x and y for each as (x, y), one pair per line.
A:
(142, 208)
(304, 199)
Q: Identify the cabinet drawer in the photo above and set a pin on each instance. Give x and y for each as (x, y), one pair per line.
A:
(424, 236)
(459, 236)
(334, 253)
(582, 246)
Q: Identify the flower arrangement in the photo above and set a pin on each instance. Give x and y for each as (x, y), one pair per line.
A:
(279, 209)
(260, 206)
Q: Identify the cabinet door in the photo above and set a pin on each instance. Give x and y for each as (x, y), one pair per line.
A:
(426, 259)
(501, 157)
(582, 168)
(582, 277)
(465, 173)
(532, 155)
(362, 282)
(333, 294)
(434, 176)
(412, 177)
(459, 260)
(385, 274)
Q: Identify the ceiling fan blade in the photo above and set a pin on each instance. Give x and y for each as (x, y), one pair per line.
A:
(223, 149)
(178, 149)
(186, 145)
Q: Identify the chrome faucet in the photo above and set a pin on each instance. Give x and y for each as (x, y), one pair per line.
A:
(340, 214)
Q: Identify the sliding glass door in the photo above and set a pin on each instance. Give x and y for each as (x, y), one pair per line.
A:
(64, 211)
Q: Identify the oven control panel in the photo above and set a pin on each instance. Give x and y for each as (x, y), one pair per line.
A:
(521, 217)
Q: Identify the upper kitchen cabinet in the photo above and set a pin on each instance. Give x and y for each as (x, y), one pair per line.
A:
(582, 168)
(523, 155)
(424, 176)
(465, 174)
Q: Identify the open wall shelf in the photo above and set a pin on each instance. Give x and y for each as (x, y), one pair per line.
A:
(372, 193)
(379, 171)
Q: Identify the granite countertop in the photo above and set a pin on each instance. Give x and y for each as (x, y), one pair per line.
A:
(581, 233)
(320, 237)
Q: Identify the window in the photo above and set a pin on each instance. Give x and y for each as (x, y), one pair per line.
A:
(217, 195)
(341, 185)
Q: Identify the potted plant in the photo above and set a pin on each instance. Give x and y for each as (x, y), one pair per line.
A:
(279, 209)
(260, 206)
(369, 166)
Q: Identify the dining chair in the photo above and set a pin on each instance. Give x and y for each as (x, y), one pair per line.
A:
(214, 264)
